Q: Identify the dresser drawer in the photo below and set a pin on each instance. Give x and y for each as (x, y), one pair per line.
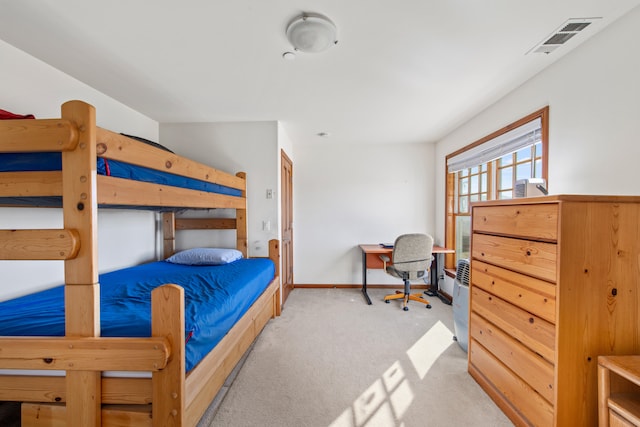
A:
(514, 390)
(529, 329)
(530, 221)
(533, 369)
(533, 295)
(537, 259)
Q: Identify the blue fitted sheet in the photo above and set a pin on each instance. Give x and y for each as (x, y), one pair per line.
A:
(24, 162)
(216, 297)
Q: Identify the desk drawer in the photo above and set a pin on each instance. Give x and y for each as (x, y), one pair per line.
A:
(531, 221)
(529, 329)
(374, 261)
(536, 259)
(533, 295)
(515, 391)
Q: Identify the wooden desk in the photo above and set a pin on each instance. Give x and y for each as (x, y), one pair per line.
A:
(371, 259)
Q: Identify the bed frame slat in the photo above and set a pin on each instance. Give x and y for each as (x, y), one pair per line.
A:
(114, 146)
(205, 224)
(54, 415)
(29, 388)
(30, 184)
(89, 354)
(118, 191)
(48, 244)
(19, 136)
(134, 391)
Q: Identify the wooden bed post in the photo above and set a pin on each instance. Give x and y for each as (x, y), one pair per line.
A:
(82, 290)
(241, 222)
(167, 320)
(168, 233)
(274, 254)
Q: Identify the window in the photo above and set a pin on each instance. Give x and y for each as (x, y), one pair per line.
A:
(488, 170)
(524, 163)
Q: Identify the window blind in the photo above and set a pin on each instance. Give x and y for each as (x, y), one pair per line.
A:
(523, 136)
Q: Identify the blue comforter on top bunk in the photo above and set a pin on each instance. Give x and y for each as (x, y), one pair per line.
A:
(216, 297)
(38, 162)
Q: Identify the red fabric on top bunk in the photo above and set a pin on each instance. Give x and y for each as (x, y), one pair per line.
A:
(7, 115)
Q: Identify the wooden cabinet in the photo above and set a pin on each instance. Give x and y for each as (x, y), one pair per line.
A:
(554, 284)
(619, 391)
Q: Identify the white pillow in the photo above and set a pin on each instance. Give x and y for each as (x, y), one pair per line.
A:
(205, 256)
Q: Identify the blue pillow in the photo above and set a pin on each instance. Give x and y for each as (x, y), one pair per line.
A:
(205, 256)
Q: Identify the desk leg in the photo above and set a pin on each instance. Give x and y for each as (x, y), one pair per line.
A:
(433, 286)
(433, 281)
(364, 278)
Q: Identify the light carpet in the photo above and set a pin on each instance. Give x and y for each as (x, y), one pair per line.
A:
(331, 360)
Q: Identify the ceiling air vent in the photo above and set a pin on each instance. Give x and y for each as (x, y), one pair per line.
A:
(562, 35)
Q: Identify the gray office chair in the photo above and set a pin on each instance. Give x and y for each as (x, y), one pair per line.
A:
(410, 260)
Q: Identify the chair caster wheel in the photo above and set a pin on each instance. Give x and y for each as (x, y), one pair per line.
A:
(406, 308)
(428, 305)
(387, 301)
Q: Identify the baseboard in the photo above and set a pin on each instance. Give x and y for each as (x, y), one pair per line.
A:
(398, 286)
(445, 297)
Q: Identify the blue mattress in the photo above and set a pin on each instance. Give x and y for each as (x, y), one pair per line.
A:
(215, 298)
(32, 162)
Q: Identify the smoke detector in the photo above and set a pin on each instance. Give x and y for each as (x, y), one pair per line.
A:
(563, 34)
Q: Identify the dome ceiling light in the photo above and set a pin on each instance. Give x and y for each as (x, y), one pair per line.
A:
(311, 33)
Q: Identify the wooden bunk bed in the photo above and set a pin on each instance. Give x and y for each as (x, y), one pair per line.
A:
(84, 397)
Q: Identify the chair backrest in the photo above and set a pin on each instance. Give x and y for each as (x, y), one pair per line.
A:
(412, 254)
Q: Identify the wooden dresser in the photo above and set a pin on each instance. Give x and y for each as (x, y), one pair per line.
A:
(554, 284)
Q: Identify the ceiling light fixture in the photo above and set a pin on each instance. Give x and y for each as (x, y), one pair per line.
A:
(311, 33)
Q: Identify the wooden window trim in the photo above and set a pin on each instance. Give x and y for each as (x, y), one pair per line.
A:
(450, 235)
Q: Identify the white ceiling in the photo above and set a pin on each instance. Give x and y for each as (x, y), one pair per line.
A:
(403, 70)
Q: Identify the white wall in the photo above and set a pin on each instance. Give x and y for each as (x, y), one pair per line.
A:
(250, 147)
(593, 95)
(32, 87)
(345, 195)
